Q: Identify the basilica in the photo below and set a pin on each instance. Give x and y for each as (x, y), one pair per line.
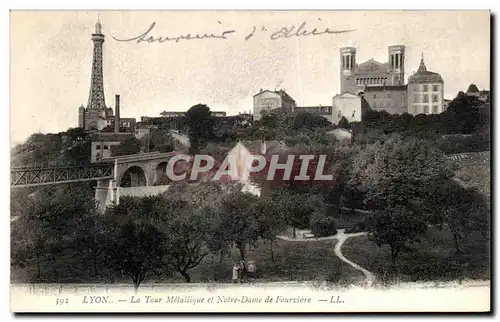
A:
(383, 88)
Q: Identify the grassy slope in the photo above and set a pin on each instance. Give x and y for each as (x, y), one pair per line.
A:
(434, 258)
(294, 261)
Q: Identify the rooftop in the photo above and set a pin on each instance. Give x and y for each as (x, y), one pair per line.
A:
(424, 76)
(281, 92)
(110, 136)
(386, 88)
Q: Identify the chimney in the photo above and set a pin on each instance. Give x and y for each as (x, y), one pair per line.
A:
(117, 113)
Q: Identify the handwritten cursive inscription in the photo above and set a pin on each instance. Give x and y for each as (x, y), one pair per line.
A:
(301, 31)
(284, 32)
(145, 37)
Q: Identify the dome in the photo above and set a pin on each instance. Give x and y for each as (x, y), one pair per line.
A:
(424, 76)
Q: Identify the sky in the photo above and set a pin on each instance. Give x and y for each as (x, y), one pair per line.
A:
(51, 58)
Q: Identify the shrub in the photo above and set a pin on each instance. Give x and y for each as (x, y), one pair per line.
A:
(334, 277)
(359, 227)
(322, 226)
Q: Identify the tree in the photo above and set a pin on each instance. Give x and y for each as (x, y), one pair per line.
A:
(201, 126)
(158, 140)
(189, 237)
(136, 246)
(463, 209)
(296, 208)
(322, 226)
(400, 172)
(240, 222)
(397, 227)
(45, 229)
(130, 145)
(271, 220)
(399, 178)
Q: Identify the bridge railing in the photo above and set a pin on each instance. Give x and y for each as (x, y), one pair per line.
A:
(57, 164)
(28, 177)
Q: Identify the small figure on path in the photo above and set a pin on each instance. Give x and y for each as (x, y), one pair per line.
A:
(236, 274)
(243, 271)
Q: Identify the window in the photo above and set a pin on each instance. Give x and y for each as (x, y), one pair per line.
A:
(435, 88)
(374, 95)
(98, 147)
(426, 98)
(426, 109)
(435, 109)
(415, 98)
(425, 88)
(106, 147)
(434, 98)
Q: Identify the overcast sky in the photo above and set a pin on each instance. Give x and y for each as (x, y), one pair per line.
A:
(51, 58)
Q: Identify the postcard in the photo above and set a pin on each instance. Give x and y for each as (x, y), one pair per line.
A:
(250, 161)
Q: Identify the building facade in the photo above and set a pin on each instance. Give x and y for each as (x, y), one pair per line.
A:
(348, 105)
(392, 99)
(355, 78)
(101, 144)
(425, 92)
(266, 101)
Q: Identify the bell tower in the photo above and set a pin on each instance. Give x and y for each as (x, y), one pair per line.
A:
(397, 64)
(347, 67)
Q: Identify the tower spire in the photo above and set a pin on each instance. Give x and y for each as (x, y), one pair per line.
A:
(422, 67)
(96, 95)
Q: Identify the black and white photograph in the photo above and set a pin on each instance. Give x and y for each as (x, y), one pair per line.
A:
(250, 161)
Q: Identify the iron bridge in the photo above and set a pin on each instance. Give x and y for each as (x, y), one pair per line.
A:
(21, 177)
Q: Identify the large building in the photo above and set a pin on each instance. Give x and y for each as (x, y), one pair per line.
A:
(266, 101)
(425, 92)
(382, 85)
(97, 116)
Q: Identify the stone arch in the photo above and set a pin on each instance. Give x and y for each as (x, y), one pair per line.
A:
(134, 176)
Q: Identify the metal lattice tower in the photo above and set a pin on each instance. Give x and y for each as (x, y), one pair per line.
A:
(96, 95)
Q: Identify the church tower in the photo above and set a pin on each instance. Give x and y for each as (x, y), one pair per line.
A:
(347, 68)
(397, 64)
(96, 95)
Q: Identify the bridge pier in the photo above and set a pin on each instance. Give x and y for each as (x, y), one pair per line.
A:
(105, 194)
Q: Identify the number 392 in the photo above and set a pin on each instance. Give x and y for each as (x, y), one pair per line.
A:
(61, 301)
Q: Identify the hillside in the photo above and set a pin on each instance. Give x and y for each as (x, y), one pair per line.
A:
(473, 170)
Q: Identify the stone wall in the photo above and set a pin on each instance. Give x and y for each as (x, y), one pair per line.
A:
(141, 191)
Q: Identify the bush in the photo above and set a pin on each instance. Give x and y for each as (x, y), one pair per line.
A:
(360, 227)
(452, 144)
(334, 277)
(322, 226)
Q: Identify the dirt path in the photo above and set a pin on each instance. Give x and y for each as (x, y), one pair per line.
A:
(341, 237)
